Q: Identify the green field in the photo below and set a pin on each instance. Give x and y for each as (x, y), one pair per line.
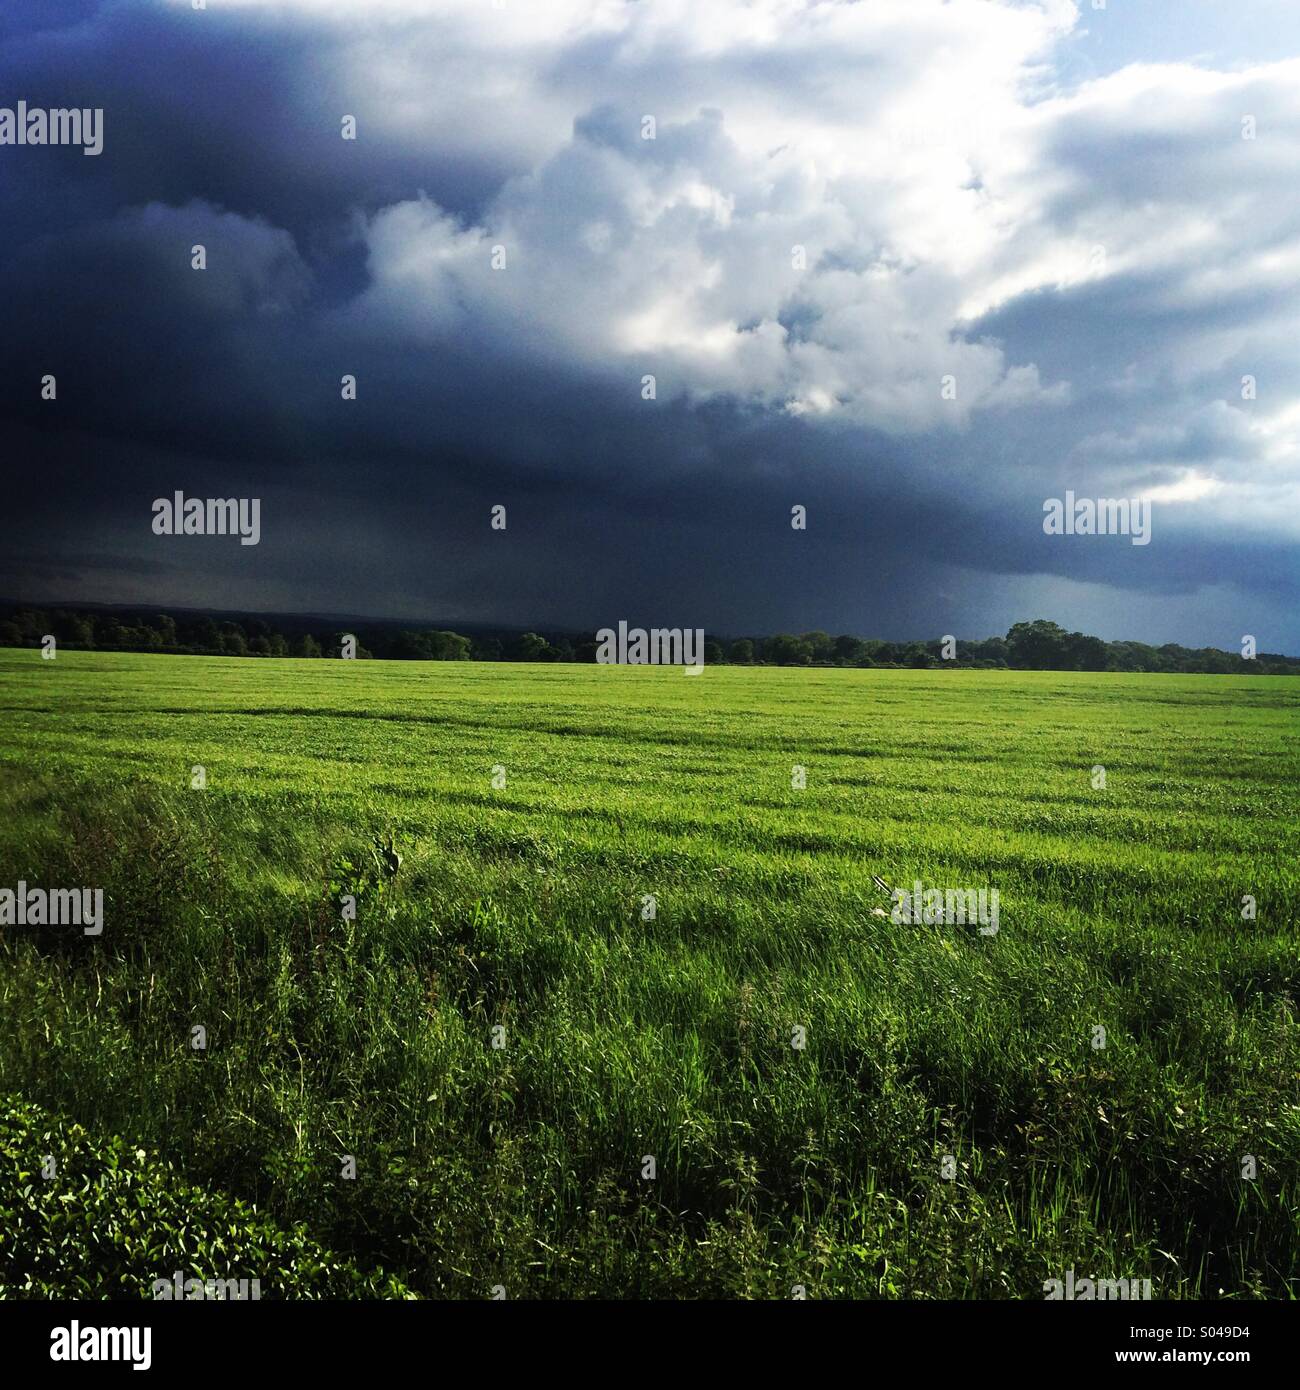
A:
(930, 1050)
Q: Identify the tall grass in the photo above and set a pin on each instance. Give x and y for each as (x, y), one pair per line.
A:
(949, 1130)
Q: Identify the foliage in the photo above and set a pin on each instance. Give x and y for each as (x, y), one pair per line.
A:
(1037, 645)
(82, 1217)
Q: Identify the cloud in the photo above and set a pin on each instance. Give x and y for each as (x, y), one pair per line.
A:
(879, 258)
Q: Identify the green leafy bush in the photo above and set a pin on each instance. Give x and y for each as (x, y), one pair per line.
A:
(111, 1220)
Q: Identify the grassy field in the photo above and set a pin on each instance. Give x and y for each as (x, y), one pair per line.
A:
(951, 1128)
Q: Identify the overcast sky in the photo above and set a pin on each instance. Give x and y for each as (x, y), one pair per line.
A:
(1053, 207)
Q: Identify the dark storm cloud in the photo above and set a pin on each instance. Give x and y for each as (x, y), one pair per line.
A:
(327, 257)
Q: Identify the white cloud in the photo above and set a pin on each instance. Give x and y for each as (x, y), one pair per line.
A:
(922, 155)
(1191, 487)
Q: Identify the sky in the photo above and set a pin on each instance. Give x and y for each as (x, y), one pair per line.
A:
(914, 267)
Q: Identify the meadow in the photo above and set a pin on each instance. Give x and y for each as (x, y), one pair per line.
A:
(510, 1030)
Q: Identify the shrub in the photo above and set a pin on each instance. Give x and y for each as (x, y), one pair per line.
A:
(112, 1219)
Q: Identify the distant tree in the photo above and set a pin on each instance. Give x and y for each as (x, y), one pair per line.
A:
(1083, 653)
(1039, 645)
(785, 650)
(992, 649)
(819, 645)
(73, 629)
(204, 635)
(529, 646)
(447, 646)
(1220, 663)
(109, 631)
(410, 646)
(1130, 656)
(32, 623)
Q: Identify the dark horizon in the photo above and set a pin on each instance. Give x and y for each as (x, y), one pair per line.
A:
(318, 623)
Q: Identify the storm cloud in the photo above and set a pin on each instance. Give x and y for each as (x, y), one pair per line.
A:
(910, 265)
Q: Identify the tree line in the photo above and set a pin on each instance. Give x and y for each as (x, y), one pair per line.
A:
(1037, 645)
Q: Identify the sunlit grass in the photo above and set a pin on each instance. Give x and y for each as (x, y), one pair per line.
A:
(521, 907)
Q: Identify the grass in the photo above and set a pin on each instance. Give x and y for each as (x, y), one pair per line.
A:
(930, 1050)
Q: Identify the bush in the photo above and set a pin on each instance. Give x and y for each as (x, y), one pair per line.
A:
(112, 1219)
